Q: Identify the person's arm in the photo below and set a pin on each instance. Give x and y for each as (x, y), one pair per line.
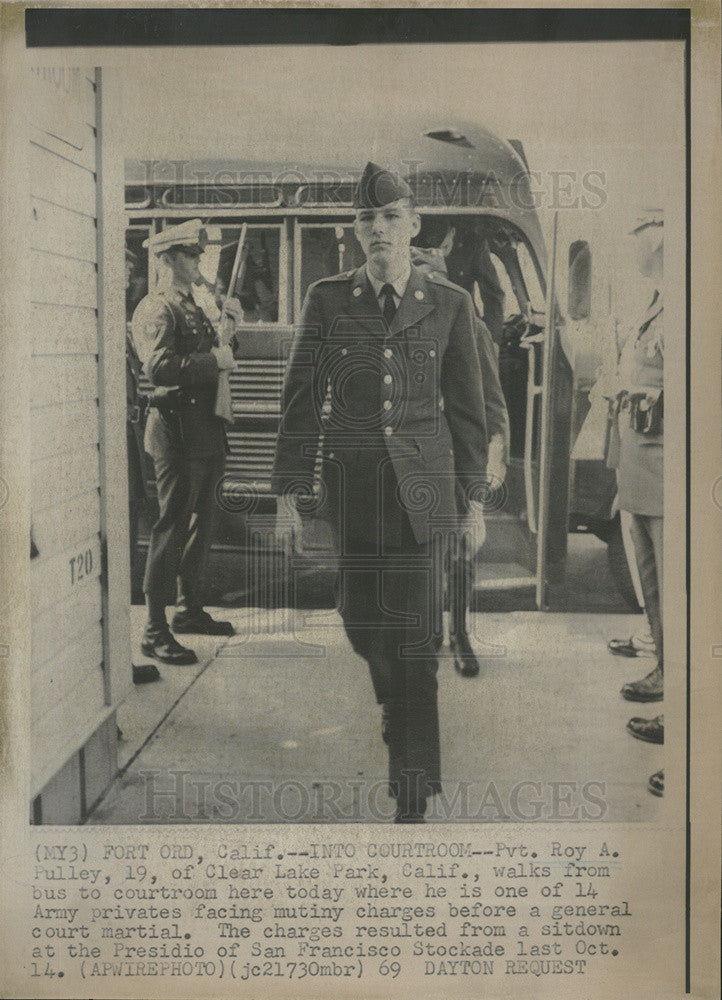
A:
(230, 320)
(464, 406)
(154, 334)
(497, 416)
(491, 292)
(300, 428)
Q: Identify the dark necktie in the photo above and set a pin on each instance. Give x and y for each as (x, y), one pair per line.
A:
(389, 303)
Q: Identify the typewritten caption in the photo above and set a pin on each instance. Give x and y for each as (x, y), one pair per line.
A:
(253, 910)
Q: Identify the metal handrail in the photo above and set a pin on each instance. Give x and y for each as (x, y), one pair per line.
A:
(545, 449)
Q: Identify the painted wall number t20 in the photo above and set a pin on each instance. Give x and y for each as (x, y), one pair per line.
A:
(81, 566)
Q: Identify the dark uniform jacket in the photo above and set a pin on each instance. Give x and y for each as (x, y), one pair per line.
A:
(641, 455)
(174, 340)
(401, 408)
(497, 416)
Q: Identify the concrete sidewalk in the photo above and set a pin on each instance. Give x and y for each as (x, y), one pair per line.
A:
(268, 729)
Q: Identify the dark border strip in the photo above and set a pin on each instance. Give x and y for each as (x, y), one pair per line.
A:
(688, 498)
(75, 27)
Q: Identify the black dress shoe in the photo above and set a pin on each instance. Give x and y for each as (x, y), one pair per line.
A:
(145, 673)
(649, 730)
(162, 646)
(465, 660)
(199, 623)
(650, 688)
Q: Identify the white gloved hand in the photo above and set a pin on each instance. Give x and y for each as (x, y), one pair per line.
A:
(224, 358)
(496, 466)
(288, 524)
(473, 528)
(231, 319)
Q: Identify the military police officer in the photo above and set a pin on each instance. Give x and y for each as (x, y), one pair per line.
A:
(184, 436)
(384, 365)
(641, 465)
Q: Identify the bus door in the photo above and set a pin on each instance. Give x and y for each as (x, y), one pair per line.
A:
(555, 391)
(527, 520)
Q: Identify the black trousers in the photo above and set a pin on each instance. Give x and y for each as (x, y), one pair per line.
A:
(459, 581)
(136, 493)
(389, 608)
(180, 538)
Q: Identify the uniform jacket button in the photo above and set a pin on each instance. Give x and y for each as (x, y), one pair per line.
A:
(387, 379)
(388, 431)
(432, 353)
(388, 353)
(387, 404)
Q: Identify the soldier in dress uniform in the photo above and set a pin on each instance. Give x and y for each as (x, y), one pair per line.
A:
(143, 673)
(640, 468)
(182, 358)
(391, 353)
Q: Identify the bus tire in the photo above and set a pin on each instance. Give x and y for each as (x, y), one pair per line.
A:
(617, 558)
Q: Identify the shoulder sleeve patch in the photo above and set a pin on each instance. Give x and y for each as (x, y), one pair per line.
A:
(151, 321)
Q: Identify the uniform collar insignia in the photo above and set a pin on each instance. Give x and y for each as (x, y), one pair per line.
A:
(363, 302)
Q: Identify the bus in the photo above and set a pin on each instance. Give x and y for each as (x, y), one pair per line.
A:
(298, 219)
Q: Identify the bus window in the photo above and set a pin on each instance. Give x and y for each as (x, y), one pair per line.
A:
(324, 249)
(265, 272)
(579, 291)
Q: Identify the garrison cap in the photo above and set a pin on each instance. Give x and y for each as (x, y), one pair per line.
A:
(189, 235)
(646, 217)
(378, 187)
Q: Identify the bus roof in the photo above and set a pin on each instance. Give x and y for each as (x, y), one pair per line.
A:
(451, 165)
